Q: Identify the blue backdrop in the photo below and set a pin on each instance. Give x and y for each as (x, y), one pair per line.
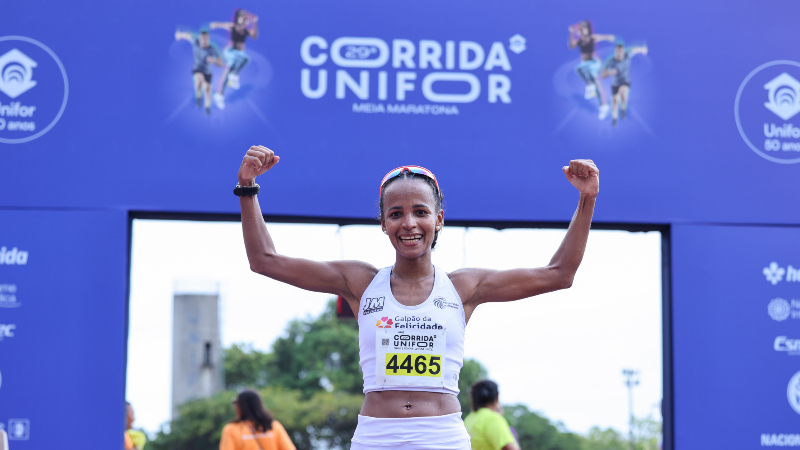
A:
(62, 327)
(736, 311)
(98, 112)
(130, 133)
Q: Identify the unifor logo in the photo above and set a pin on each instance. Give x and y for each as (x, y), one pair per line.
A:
(774, 273)
(33, 89)
(439, 302)
(16, 73)
(516, 43)
(372, 305)
(783, 93)
(766, 111)
(779, 309)
(793, 392)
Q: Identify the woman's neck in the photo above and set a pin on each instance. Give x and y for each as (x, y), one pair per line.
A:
(413, 269)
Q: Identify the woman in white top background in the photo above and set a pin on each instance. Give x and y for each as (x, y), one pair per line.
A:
(410, 400)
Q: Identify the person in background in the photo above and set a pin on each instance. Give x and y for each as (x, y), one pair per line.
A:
(487, 427)
(134, 439)
(254, 428)
(3, 440)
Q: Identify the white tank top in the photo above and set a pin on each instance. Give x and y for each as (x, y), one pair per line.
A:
(411, 348)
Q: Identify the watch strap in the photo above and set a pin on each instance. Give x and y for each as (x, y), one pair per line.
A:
(243, 191)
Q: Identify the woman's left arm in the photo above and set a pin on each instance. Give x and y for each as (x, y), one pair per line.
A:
(476, 286)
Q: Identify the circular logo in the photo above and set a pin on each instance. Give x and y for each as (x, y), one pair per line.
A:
(779, 309)
(439, 302)
(767, 111)
(793, 392)
(33, 89)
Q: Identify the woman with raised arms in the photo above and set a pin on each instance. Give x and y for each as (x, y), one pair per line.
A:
(412, 316)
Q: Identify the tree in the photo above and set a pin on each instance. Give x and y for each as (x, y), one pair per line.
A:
(471, 372)
(536, 432)
(317, 354)
(608, 439)
(327, 420)
(246, 367)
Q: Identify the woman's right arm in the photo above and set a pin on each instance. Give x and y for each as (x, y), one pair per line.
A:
(348, 279)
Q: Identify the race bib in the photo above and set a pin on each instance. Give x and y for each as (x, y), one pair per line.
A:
(410, 357)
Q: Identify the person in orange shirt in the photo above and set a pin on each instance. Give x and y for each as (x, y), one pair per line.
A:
(254, 427)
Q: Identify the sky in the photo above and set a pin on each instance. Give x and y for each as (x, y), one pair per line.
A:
(561, 353)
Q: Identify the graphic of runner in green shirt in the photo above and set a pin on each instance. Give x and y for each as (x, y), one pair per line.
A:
(205, 53)
(619, 66)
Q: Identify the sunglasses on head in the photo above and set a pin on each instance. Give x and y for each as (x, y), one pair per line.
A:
(413, 169)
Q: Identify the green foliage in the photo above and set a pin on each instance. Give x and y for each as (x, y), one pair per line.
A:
(471, 372)
(536, 432)
(646, 433)
(246, 367)
(326, 420)
(608, 439)
(322, 353)
(199, 426)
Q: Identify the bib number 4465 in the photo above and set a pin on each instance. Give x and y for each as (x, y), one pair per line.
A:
(413, 364)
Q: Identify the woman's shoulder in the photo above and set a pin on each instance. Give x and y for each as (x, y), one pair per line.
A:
(231, 427)
(277, 427)
(488, 415)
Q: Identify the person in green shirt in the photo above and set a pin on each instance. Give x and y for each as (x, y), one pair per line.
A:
(487, 427)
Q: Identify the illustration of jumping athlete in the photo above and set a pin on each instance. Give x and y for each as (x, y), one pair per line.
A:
(205, 53)
(619, 66)
(244, 24)
(581, 36)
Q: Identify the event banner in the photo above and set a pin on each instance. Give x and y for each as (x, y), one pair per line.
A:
(690, 109)
(736, 328)
(62, 328)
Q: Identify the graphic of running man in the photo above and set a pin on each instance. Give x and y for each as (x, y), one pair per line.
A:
(581, 36)
(205, 53)
(244, 24)
(619, 66)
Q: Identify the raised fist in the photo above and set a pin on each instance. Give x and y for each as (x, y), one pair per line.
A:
(584, 175)
(257, 161)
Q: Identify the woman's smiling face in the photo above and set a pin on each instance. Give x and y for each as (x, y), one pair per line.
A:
(410, 216)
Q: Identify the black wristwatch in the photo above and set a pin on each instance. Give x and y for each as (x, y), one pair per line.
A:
(243, 191)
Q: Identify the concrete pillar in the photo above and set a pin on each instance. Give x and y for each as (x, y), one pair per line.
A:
(196, 353)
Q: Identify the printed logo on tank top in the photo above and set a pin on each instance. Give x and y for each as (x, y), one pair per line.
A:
(416, 323)
(384, 322)
(372, 305)
(442, 302)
